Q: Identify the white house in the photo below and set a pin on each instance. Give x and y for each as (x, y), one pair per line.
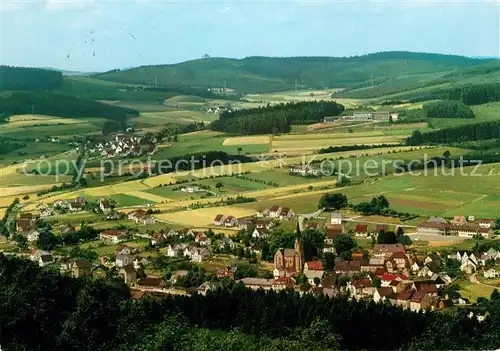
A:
(196, 254)
(491, 273)
(123, 260)
(33, 235)
(259, 233)
(114, 236)
(231, 221)
(336, 218)
(219, 220)
(45, 259)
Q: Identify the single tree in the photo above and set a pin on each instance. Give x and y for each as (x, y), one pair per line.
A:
(335, 201)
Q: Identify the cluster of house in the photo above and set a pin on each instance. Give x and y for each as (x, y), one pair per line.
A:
(365, 116)
(77, 204)
(219, 109)
(122, 146)
(458, 226)
(305, 171)
(277, 212)
(260, 223)
(471, 263)
(141, 217)
(191, 189)
(393, 266)
(26, 226)
(222, 220)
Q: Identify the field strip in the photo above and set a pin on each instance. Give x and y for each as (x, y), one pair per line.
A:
(21, 190)
(203, 216)
(148, 196)
(328, 136)
(145, 184)
(248, 140)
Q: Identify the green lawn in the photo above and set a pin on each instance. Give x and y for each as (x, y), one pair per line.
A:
(123, 200)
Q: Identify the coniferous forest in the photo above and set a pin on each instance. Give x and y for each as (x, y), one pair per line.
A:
(42, 310)
(447, 109)
(469, 132)
(476, 94)
(46, 103)
(29, 79)
(275, 119)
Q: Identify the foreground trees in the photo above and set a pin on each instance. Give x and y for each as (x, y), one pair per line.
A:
(42, 310)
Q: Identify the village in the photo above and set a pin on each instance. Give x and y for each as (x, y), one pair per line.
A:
(383, 272)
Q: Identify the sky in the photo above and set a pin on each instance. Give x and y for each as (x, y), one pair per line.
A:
(92, 35)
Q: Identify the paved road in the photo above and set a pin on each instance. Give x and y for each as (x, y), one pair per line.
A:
(302, 217)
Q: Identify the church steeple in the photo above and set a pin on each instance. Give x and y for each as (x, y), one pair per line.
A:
(298, 251)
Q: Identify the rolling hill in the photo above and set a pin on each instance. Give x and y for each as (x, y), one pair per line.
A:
(267, 74)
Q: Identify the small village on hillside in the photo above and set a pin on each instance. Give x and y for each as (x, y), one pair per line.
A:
(360, 261)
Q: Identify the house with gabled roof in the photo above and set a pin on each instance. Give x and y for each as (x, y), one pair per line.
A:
(382, 293)
(420, 301)
(114, 236)
(361, 230)
(231, 221)
(219, 220)
(387, 250)
(347, 267)
(259, 233)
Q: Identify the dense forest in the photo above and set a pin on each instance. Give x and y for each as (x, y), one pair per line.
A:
(29, 79)
(276, 118)
(61, 106)
(476, 94)
(91, 314)
(469, 132)
(447, 109)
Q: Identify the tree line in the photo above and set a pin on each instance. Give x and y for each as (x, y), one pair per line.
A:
(475, 94)
(276, 118)
(96, 314)
(29, 79)
(469, 132)
(7, 145)
(47, 103)
(447, 109)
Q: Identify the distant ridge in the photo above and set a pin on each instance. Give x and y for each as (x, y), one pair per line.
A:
(266, 74)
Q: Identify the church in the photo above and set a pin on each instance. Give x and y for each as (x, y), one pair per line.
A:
(290, 260)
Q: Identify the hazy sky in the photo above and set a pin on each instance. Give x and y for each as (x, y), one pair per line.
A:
(94, 35)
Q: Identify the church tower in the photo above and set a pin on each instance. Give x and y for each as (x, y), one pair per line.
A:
(298, 252)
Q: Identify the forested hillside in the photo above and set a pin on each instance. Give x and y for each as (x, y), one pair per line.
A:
(62, 106)
(276, 118)
(469, 132)
(29, 79)
(42, 310)
(265, 74)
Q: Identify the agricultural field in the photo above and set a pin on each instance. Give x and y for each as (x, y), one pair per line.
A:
(311, 142)
(483, 113)
(204, 216)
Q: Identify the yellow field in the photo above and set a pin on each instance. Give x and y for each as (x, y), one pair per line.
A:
(21, 190)
(250, 140)
(2, 212)
(203, 216)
